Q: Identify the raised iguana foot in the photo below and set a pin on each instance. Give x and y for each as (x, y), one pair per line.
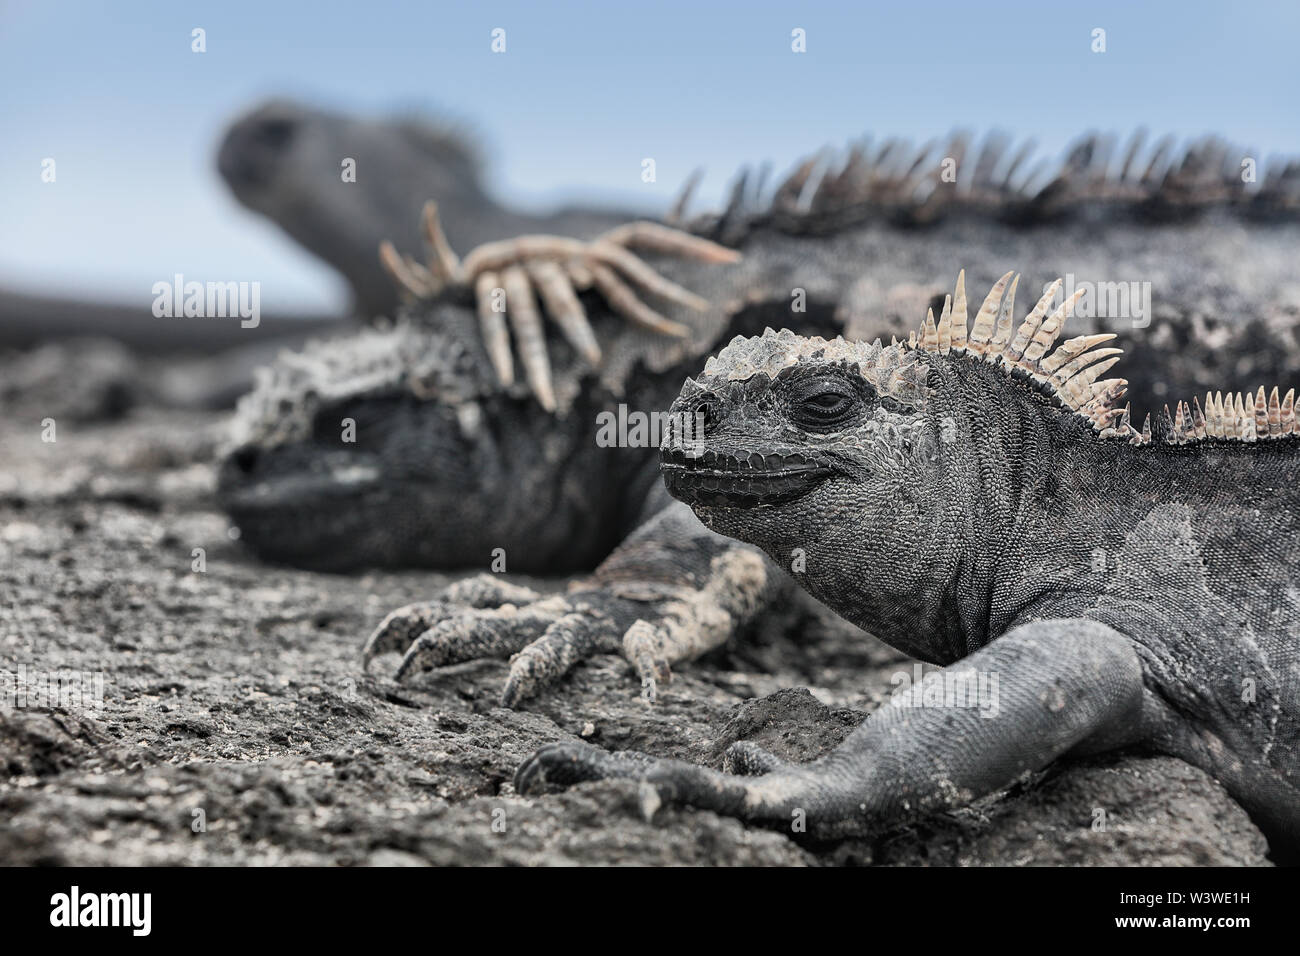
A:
(508, 276)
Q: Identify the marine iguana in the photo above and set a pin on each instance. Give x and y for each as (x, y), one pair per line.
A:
(984, 502)
(402, 447)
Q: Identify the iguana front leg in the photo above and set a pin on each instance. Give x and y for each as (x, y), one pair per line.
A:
(670, 592)
(1061, 685)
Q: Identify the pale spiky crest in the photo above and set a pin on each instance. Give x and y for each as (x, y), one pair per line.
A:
(1072, 373)
(1238, 416)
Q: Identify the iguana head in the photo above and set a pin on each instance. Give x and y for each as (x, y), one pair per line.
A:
(343, 450)
(877, 465)
(397, 447)
(787, 418)
(340, 185)
(819, 452)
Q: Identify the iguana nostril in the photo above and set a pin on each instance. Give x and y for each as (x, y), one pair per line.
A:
(707, 412)
(245, 458)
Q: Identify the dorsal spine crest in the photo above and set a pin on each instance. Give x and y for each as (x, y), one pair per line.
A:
(1071, 372)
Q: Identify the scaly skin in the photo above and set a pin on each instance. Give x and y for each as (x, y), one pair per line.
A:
(1125, 592)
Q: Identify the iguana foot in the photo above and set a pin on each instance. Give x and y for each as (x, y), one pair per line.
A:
(566, 763)
(768, 798)
(906, 758)
(407, 624)
(508, 276)
(483, 618)
(652, 625)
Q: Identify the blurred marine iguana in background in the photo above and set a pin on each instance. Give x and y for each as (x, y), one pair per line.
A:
(284, 160)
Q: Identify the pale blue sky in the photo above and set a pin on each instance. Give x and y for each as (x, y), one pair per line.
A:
(584, 92)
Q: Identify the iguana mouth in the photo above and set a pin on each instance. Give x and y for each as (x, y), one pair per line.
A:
(294, 488)
(739, 481)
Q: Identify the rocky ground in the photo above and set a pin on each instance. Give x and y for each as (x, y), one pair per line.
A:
(236, 728)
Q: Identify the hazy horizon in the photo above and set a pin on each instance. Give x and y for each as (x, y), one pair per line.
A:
(582, 93)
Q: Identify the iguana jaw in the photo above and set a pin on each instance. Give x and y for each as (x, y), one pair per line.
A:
(743, 479)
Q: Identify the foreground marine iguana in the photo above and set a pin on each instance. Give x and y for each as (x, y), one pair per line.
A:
(984, 502)
(402, 447)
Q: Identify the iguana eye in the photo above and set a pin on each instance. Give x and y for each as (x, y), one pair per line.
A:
(826, 406)
(828, 402)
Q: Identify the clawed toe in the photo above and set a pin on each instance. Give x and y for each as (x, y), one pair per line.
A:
(495, 633)
(749, 759)
(423, 655)
(398, 629)
(533, 775)
(566, 763)
(560, 764)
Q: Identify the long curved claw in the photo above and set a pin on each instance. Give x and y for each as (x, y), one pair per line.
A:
(496, 339)
(458, 640)
(431, 649)
(445, 263)
(671, 242)
(763, 797)
(562, 305)
(488, 633)
(406, 272)
(624, 301)
(526, 322)
(573, 762)
(644, 276)
(400, 628)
